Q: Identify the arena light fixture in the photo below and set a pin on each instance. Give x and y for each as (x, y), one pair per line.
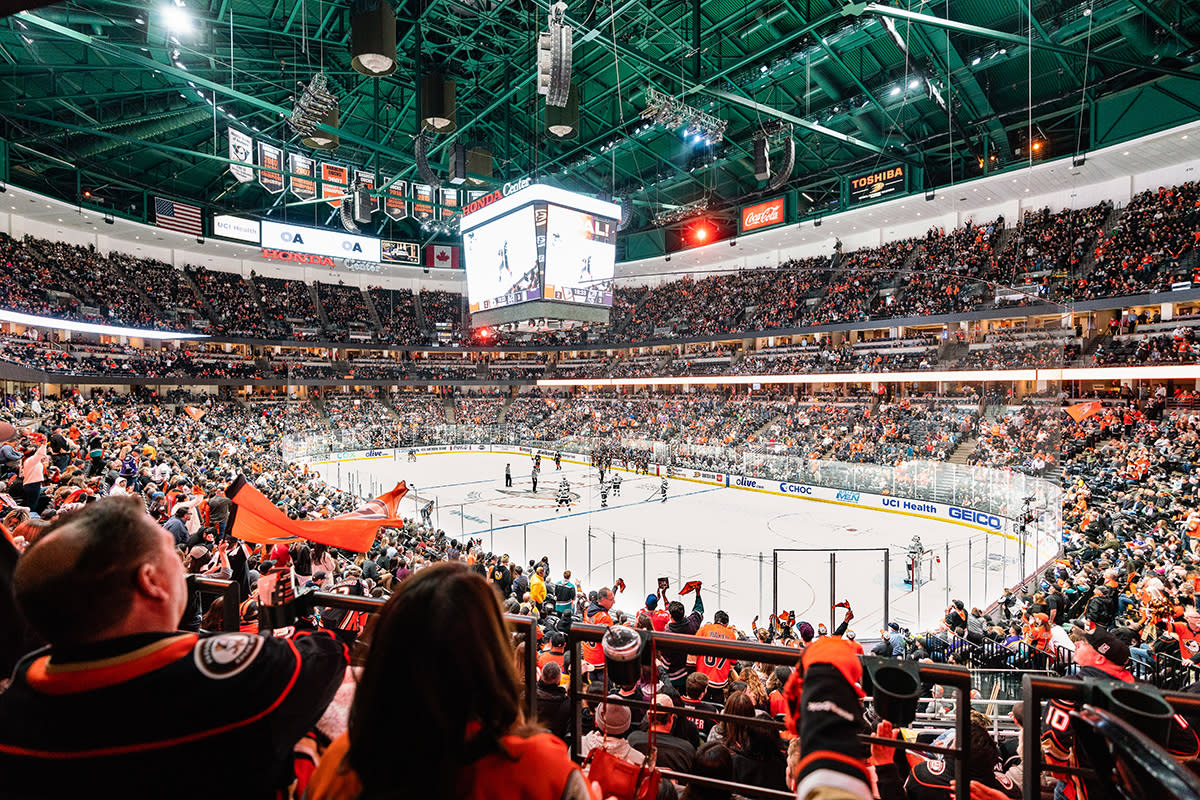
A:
(439, 104)
(372, 38)
(663, 109)
(176, 17)
(316, 106)
(563, 122)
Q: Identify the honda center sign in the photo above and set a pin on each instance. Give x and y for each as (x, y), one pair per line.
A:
(319, 242)
(763, 215)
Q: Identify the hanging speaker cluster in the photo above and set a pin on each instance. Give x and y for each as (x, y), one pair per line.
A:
(472, 166)
(439, 110)
(372, 38)
(554, 58)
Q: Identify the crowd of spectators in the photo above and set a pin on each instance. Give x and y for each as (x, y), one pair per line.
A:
(346, 310)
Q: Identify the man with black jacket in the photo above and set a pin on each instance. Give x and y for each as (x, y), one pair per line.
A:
(121, 700)
(676, 660)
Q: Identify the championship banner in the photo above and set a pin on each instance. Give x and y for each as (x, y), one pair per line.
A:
(367, 179)
(881, 183)
(301, 182)
(400, 253)
(395, 203)
(449, 204)
(254, 518)
(270, 158)
(335, 182)
(241, 148)
(422, 202)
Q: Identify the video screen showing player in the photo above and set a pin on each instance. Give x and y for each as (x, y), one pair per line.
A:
(501, 261)
(580, 256)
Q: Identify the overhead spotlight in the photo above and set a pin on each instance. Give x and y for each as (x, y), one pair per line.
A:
(975, 61)
(914, 84)
(176, 18)
(554, 58)
(1079, 160)
(3, 187)
(563, 123)
(372, 37)
(108, 219)
(439, 107)
(895, 91)
(930, 194)
(817, 222)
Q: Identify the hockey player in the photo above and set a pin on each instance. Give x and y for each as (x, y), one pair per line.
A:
(564, 495)
(427, 512)
(663, 488)
(603, 494)
(412, 454)
(508, 476)
(534, 476)
(616, 484)
(558, 460)
(601, 473)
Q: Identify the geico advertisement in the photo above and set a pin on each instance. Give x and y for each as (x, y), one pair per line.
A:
(315, 241)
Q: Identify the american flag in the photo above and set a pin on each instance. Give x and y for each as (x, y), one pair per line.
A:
(178, 217)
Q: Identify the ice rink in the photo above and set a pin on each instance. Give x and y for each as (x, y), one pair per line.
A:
(722, 536)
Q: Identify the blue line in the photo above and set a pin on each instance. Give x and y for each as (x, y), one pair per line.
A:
(597, 510)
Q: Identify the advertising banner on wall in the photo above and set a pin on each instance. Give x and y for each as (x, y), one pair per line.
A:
(270, 158)
(883, 182)
(766, 214)
(318, 241)
(393, 252)
(244, 230)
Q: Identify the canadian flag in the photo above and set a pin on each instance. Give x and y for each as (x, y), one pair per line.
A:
(441, 255)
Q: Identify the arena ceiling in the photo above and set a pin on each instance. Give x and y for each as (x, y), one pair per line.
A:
(103, 102)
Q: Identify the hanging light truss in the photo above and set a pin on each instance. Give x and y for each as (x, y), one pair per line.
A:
(670, 216)
(663, 109)
(316, 106)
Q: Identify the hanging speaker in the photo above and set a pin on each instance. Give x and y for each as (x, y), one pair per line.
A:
(456, 164)
(762, 159)
(362, 205)
(438, 105)
(323, 140)
(563, 122)
(372, 37)
(346, 212)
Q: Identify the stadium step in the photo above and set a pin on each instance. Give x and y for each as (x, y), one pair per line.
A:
(322, 317)
(449, 410)
(372, 313)
(502, 417)
(964, 449)
(385, 400)
(205, 306)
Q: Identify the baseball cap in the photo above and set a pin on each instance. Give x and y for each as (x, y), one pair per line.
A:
(1109, 646)
(651, 600)
(197, 552)
(806, 631)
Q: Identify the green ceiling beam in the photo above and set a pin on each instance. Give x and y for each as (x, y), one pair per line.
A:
(102, 45)
(1158, 19)
(858, 9)
(844, 138)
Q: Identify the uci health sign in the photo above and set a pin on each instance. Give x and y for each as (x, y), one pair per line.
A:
(318, 242)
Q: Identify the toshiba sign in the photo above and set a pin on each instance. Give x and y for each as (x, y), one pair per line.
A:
(762, 215)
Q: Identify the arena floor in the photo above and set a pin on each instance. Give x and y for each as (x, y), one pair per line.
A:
(680, 539)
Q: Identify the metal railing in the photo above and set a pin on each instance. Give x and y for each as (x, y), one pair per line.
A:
(958, 678)
(231, 621)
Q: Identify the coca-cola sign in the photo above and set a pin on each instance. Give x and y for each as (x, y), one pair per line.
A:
(763, 215)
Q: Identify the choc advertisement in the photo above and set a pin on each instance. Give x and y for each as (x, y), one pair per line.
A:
(767, 214)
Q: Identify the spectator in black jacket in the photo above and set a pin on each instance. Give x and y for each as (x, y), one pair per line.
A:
(676, 660)
(554, 708)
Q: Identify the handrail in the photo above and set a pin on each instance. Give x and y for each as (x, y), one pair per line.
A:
(958, 678)
(231, 621)
(1038, 689)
